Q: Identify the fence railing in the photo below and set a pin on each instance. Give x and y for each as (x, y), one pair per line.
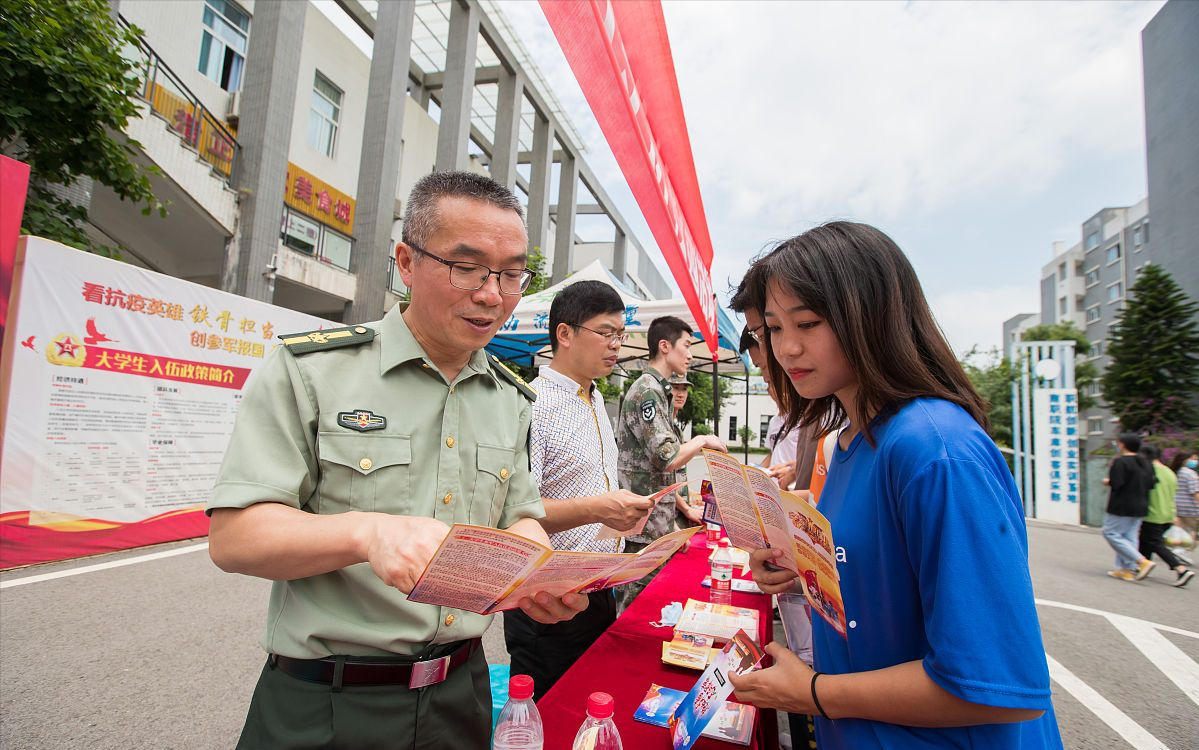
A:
(167, 95)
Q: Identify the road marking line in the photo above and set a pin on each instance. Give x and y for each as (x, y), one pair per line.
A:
(1102, 613)
(1170, 659)
(1132, 732)
(102, 566)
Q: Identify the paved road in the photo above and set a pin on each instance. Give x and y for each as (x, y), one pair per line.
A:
(163, 653)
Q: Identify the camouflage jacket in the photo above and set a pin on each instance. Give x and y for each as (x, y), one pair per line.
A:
(647, 441)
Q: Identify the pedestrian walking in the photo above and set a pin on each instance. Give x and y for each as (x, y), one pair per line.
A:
(354, 450)
(1186, 498)
(1129, 479)
(1160, 517)
(943, 646)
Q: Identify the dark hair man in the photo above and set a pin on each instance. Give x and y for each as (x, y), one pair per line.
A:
(362, 445)
(573, 454)
(652, 455)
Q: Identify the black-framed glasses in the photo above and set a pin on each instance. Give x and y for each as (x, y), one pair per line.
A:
(758, 334)
(471, 276)
(612, 337)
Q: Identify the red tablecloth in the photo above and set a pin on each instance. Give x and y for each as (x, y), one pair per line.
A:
(628, 657)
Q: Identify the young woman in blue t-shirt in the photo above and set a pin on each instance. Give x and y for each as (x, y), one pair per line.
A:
(943, 647)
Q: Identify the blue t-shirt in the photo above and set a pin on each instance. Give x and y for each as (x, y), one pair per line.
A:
(933, 557)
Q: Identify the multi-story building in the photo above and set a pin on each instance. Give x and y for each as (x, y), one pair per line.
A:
(286, 151)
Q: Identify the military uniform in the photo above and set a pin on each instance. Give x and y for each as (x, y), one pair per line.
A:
(648, 441)
(359, 419)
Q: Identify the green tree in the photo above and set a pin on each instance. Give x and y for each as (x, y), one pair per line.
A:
(1085, 372)
(66, 96)
(992, 375)
(1154, 348)
(746, 434)
(536, 264)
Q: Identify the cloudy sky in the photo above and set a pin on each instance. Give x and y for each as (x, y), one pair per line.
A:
(975, 134)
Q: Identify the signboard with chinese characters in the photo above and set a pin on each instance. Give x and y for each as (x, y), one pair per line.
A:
(120, 387)
(1057, 466)
(314, 197)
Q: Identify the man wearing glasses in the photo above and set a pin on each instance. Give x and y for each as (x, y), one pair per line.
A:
(354, 450)
(573, 453)
(652, 455)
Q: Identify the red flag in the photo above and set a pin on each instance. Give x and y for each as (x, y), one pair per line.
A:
(620, 54)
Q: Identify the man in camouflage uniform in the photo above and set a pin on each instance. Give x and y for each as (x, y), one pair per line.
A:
(652, 454)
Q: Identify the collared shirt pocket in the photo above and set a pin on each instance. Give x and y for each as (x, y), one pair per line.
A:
(495, 467)
(364, 472)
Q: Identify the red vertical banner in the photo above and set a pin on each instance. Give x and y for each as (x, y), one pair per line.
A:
(14, 181)
(620, 54)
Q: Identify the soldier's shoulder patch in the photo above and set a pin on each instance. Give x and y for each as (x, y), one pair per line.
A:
(329, 338)
(649, 409)
(502, 370)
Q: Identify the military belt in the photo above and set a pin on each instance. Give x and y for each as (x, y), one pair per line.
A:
(351, 670)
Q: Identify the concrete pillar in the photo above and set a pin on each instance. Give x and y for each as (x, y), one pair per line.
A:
(619, 254)
(267, 110)
(454, 131)
(564, 239)
(539, 183)
(379, 163)
(507, 128)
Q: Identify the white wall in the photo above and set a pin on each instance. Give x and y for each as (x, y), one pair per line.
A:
(327, 49)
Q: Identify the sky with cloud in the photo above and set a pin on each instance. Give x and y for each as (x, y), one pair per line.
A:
(975, 134)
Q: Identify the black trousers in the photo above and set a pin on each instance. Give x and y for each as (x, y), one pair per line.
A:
(1152, 543)
(545, 652)
(803, 733)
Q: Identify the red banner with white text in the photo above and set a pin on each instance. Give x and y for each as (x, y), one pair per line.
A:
(620, 54)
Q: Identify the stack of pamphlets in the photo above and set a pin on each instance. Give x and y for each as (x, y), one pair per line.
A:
(690, 650)
(699, 707)
(733, 722)
(720, 622)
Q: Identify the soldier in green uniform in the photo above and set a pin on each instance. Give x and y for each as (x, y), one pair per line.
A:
(652, 454)
(354, 450)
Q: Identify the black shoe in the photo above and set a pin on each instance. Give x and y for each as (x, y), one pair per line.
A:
(1184, 578)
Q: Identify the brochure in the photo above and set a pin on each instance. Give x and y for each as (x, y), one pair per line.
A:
(757, 514)
(699, 707)
(734, 722)
(485, 570)
(681, 653)
(607, 532)
(719, 622)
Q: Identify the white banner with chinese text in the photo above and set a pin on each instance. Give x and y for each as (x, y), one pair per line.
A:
(1055, 447)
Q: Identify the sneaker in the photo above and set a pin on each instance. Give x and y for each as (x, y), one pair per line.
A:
(1143, 569)
(1184, 578)
(1122, 574)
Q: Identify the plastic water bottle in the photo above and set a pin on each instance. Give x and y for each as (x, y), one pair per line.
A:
(713, 534)
(721, 591)
(598, 731)
(519, 725)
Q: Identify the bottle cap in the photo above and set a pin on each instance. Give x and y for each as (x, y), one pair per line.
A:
(599, 705)
(520, 687)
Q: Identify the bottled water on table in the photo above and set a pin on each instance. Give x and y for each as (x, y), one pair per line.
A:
(598, 731)
(519, 725)
(722, 575)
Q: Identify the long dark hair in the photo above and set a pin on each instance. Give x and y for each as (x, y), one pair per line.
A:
(858, 280)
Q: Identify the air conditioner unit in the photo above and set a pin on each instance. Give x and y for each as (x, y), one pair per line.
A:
(233, 111)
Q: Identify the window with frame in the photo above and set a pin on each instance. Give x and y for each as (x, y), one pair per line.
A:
(1093, 240)
(223, 43)
(1138, 236)
(1113, 253)
(1093, 314)
(1095, 425)
(1061, 272)
(1061, 306)
(324, 115)
(1097, 348)
(1092, 277)
(732, 428)
(763, 431)
(1115, 292)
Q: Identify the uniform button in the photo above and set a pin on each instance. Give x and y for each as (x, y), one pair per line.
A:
(448, 497)
(451, 390)
(365, 464)
(449, 620)
(503, 473)
(449, 442)
(359, 330)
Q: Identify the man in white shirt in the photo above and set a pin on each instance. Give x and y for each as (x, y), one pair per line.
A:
(572, 452)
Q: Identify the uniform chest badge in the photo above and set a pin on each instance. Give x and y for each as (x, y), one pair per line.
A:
(361, 420)
(649, 410)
